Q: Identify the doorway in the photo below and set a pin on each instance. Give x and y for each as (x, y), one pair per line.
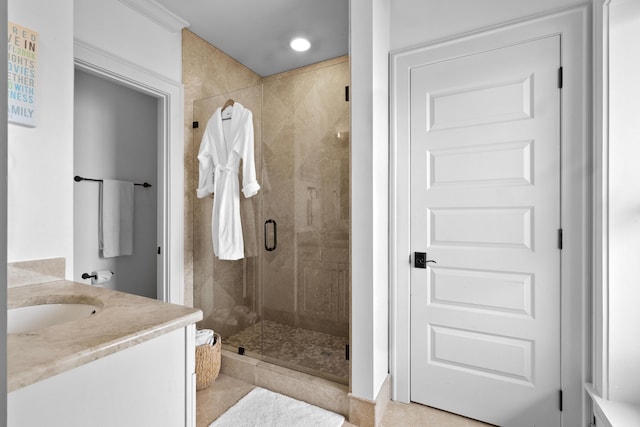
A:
(115, 137)
(485, 206)
(575, 188)
(170, 181)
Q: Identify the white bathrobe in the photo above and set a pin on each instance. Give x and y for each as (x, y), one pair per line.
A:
(224, 143)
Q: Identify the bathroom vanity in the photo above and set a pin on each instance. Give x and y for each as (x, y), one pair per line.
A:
(131, 363)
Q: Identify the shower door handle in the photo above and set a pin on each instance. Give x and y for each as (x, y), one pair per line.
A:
(275, 235)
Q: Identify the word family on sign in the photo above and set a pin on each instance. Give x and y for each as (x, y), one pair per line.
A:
(22, 72)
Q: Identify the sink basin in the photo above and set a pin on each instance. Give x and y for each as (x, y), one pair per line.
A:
(36, 317)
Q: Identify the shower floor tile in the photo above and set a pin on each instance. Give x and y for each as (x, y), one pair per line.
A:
(310, 351)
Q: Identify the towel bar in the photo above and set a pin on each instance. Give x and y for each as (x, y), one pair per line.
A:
(80, 178)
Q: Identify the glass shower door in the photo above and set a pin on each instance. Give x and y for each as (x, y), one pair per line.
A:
(305, 214)
(287, 301)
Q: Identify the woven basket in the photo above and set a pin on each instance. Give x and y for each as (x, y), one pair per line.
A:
(207, 363)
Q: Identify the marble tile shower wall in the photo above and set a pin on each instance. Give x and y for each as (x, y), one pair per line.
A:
(306, 162)
(206, 72)
(302, 154)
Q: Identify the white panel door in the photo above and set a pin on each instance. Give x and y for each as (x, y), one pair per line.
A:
(485, 205)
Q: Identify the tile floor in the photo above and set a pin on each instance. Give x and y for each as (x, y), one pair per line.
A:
(313, 352)
(225, 391)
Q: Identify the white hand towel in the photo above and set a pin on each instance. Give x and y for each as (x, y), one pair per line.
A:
(204, 336)
(116, 218)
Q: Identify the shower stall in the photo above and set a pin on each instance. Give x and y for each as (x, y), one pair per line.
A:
(287, 301)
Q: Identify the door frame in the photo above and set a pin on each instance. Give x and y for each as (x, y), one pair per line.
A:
(573, 26)
(170, 160)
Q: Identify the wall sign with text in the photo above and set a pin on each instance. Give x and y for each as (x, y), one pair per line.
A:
(22, 57)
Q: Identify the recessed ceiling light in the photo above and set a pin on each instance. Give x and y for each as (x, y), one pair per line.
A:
(300, 44)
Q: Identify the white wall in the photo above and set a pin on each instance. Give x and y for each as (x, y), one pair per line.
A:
(3, 228)
(40, 159)
(116, 28)
(416, 22)
(369, 196)
(116, 137)
(624, 202)
(40, 214)
(373, 35)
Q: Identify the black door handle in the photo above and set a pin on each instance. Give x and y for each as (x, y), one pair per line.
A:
(275, 235)
(420, 260)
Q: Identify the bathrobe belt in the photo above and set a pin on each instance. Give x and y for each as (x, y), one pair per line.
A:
(222, 168)
(219, 169)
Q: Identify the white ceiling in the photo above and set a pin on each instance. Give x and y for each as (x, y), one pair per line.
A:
(257, 32)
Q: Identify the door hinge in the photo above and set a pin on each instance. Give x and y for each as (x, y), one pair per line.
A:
(560, 399)
(560, 238)
(196, 125)
(158, 250)
(560, 78)
(346, 93)
(346, 352)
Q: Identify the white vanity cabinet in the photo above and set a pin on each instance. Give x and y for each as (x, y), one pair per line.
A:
(148, 384)
(131, 363)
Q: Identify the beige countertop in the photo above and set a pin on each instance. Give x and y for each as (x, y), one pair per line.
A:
(122, 320)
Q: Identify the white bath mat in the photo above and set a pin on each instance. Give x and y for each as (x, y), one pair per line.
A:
(264, 408)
